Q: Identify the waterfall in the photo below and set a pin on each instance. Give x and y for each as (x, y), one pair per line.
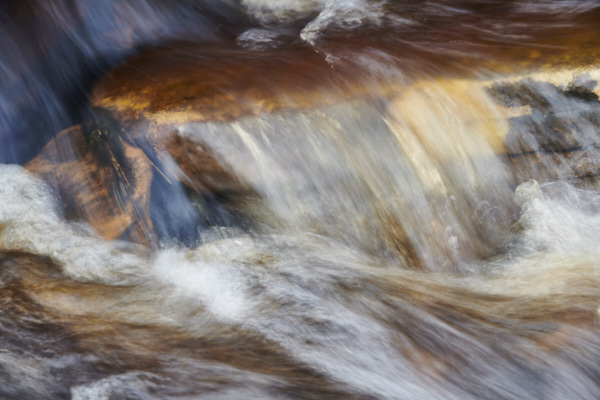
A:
(328, 199)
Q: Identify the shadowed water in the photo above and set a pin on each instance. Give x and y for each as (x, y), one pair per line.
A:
(299, 200)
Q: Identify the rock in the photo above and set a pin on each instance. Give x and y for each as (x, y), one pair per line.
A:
(560, 119)
(557, 138)
(101, 179)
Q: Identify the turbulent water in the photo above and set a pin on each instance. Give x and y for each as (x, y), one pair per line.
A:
(425, 226)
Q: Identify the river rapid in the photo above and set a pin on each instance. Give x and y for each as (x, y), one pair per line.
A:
(419, 215)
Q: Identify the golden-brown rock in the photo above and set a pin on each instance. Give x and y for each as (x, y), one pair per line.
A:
(107, 187)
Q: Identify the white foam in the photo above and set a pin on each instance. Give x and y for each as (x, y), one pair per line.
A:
(258, 38)
(345, 14)
(558, 221)
(30, 220)
(217, 282)
(277, 11)
(556, 244)
(103, 389)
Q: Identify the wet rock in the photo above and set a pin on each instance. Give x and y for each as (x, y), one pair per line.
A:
(101, 179)
(556, 134)
(561, 118)
(573, 166)
(583, 88)
(526, 92)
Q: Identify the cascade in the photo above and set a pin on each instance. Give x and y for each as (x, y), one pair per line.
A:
(328, 199)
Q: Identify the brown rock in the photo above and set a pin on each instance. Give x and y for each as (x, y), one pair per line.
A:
(104, 181)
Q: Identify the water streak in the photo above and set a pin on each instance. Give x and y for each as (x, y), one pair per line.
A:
(305, 200)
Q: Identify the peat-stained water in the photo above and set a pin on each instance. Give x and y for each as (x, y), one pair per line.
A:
(339, 199)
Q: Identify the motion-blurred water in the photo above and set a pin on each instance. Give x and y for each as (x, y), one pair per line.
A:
(419, 216)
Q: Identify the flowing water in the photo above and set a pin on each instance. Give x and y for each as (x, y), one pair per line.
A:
(405, 202)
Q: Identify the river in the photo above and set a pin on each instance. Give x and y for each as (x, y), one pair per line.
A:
(319, 199)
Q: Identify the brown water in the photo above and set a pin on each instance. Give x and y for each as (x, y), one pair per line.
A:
(305, 200)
